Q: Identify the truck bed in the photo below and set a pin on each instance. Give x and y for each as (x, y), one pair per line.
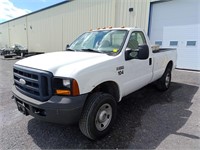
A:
(160, 58)
(160, 50)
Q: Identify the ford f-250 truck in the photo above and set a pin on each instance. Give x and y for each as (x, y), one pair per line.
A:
(84, 83)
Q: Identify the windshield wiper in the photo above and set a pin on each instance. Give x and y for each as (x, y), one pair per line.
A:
(69, 49)
(90, 50)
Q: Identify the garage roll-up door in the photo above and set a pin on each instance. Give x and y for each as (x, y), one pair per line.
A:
(176, 24)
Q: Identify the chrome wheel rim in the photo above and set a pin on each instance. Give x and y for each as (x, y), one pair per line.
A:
(167, 80)
(103, 117)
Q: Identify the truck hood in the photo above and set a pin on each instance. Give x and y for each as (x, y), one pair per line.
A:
(71, 61)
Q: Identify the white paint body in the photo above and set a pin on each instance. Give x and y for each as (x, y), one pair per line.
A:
(92, 69)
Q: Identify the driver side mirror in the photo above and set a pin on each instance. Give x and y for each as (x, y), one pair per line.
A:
(130, 54)
(141, 53)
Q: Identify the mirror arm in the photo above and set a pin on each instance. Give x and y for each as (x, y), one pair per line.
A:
(67, 46)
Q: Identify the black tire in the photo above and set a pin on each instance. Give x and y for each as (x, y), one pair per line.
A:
(164, 82)
(90, 122)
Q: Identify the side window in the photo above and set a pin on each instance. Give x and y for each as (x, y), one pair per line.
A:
(137, 38)
(140, 38)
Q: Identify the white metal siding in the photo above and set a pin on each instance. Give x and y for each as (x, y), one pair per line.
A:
(178, 20)
(4, 35)
(53, 28)
(18, 32)
(138, 18)
(45, 31)
(82, 15)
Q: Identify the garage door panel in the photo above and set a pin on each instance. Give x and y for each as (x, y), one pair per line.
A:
(177, 20)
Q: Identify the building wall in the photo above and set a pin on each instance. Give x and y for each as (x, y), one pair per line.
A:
(138, 18)
(45, 30)
(81, 16)
(18, 32)
(52, 29)
(4, 35)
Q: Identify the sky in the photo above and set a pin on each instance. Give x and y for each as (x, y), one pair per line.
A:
(10, 9)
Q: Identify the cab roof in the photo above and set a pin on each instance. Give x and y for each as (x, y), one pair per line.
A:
(115, 28)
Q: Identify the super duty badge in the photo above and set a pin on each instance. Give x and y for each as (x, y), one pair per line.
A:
(120, 70)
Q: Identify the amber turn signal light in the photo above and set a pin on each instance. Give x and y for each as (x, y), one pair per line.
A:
(63, 92)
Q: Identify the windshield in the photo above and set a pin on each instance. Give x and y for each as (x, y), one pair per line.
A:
(105, 41)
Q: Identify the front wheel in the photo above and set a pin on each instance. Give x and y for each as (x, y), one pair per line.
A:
(98, 115)
(164, 82)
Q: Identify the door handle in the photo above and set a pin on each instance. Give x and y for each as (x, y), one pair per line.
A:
(150, 61)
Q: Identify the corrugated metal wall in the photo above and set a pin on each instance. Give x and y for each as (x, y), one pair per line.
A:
(18, 32)
(83, 15)
(53, 28)
(137, 18)
(45, 30)
(4, 35)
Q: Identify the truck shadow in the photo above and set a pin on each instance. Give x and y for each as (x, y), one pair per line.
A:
(145, 119)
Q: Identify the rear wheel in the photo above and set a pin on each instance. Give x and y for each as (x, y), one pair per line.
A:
(98, 115)
(164, 82)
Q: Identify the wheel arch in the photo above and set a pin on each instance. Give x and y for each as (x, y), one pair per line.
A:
(109, 87)
(170, 65)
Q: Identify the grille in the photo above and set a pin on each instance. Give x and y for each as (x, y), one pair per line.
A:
(33, 83)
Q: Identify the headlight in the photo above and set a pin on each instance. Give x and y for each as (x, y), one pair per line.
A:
(63, 86)
(66, 83)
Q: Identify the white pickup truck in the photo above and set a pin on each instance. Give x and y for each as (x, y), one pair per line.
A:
(84, 83)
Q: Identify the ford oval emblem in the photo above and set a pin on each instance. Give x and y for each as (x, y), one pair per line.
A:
(22, 81)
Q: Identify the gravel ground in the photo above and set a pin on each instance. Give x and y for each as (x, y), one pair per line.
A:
(147, 119)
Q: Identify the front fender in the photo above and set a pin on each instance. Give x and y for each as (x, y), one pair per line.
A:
(89, 84)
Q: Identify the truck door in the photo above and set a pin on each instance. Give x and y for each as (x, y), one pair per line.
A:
(138, 73)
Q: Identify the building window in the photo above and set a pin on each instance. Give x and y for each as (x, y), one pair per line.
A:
(173, 43)
(191, 43)
(158, 43)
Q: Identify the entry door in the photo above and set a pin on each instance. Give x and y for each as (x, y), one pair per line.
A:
(138, 73)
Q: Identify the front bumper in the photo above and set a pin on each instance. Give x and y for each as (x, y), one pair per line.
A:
(58, 109)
